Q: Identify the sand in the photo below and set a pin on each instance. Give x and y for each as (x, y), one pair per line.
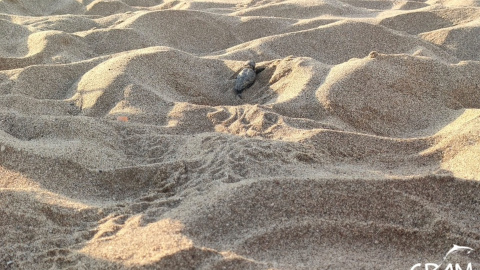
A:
(124, 146)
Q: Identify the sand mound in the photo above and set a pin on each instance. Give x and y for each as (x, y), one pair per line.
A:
(323, 43)
(300, 9)
(410, 5)
(456, 3)
(458, 15)
(13, 43)
(43, 8)
(431, 91)
(157, 70)
(458, 141)
(48, 47)
(409, 22)
(432, 20)
(190, 31)
(370, 4)
(142, 3)
(218, 7)
(124, 146)
(64, 23)
(248, 28)
(105, 8)
(460, 40)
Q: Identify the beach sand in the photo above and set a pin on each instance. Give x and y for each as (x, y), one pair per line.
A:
(124, 146)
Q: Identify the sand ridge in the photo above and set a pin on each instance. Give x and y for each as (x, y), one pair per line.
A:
(124, 146)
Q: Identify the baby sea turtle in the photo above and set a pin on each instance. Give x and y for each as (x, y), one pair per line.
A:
(245, 78)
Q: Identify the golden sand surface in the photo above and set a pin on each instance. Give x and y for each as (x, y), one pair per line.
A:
(124, 146)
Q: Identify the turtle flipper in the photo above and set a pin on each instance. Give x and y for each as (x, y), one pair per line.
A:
(260, 69)
(234, 76)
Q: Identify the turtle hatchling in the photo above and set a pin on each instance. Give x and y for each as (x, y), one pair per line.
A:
(245, 78)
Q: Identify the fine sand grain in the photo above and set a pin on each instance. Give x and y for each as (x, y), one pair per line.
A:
(124, 146)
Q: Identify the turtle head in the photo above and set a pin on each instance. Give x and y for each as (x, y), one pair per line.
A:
(250, 63)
